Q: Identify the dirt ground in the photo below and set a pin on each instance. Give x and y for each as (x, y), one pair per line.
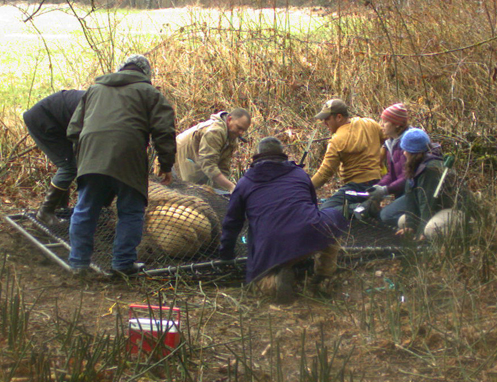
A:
(219, 315)
(350, 326)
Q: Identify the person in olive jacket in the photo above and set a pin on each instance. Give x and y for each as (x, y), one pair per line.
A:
(205, 150)
(111, 128)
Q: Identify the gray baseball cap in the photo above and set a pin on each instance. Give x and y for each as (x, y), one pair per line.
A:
(333, 106)
(140, 61)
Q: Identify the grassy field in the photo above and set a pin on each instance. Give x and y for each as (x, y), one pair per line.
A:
(439, 58)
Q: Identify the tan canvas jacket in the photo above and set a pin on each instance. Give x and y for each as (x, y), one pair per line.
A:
(205, 150)
(353, 152)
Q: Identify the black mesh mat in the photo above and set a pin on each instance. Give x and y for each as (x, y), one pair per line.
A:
(183, 228)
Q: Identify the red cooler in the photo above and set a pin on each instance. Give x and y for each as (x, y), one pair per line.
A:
(149, 324)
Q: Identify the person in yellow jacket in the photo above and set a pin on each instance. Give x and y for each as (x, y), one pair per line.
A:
(204, 151)
(353, 153)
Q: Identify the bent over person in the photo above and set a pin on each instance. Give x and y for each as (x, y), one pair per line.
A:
(112, 127)
(205, 150)
(47, 123)
(285, 224)
(353, 153)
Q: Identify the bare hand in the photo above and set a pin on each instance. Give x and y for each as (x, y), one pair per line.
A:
(167, 178)
(405, 231)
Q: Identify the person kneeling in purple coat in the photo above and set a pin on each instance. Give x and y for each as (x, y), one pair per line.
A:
(285, 225)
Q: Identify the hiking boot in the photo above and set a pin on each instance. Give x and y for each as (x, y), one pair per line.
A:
(284, 286)
(46, 212)
(133, 270)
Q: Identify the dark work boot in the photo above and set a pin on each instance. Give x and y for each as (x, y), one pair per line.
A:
(46, 212)
(285, 279)
(64, 200)
(133, 270)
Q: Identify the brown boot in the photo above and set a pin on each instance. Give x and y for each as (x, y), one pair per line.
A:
(46, 212)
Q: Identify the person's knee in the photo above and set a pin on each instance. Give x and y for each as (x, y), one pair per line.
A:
(443, 222)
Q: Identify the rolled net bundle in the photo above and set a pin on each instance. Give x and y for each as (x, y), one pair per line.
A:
(179, 227)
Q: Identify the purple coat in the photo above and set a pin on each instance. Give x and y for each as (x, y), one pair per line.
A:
(394, 179)
(279, 201)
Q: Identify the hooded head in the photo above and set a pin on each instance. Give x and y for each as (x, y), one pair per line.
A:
(139, 61)
(270, 145)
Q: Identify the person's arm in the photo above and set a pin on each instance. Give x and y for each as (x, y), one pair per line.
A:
(426, 187)
(411, 209)
(223, 182)
(232, 223)
(163, 134)
(209, 153)
(328, 167)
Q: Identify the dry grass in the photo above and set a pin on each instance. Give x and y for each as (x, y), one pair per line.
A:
(440, 59)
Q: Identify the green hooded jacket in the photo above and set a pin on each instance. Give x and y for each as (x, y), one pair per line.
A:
(113, 123)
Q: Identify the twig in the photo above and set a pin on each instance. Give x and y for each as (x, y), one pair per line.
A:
(30, 17)
(9, 158)
(433, 54)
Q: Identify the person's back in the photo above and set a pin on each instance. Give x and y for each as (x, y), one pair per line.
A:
(59, 107)
(117, 125)
(358, 144)
(285, 224)
(47, 123)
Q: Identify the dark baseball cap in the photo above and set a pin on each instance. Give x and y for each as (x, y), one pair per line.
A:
(333, 106)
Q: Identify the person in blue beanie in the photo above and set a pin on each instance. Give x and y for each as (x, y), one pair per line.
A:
(427, 215)
(285, 224)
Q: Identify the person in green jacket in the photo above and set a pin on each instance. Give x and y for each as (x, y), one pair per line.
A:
(426, 215)
(111, 128)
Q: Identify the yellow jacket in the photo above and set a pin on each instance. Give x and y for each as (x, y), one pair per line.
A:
(205, 150)
(354, 152)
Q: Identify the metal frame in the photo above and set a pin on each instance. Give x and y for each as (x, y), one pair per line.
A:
(46, 247)
(350, 255)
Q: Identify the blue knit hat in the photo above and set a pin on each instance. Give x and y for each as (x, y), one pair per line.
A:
(415, 141)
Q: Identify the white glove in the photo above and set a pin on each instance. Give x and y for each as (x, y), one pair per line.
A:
(378, 192)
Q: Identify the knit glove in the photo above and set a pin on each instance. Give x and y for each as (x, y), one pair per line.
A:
(377, 192)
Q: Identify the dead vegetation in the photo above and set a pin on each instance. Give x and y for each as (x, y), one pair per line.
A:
(428, 317)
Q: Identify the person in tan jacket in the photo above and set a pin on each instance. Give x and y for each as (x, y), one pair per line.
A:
(353, 153)
(204, 151)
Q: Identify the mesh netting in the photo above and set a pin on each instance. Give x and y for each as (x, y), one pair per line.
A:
(182, 225)
(183, 228)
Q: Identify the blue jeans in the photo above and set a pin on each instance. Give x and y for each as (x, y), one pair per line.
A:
(391, 213)
(94, 192)
(338, 198)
